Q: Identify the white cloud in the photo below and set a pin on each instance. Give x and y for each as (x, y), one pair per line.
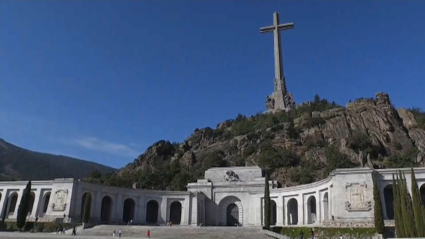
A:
(107, 147)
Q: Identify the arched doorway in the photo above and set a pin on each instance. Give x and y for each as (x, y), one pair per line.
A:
(46, 199)
(31, 203)
(325, 207)
(106, 209)
(231, 211)
(128, 210)
(292, 209)
(176, 212)
(273, 213)
(422, 190)
(389, 201)
(83, 204)
(232, 215)
(311, 210)
(11, 207)
(152, 212)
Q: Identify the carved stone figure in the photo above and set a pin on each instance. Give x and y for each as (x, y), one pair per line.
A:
(231, 176)
(60, 200)
(357, 199)
(270, 103)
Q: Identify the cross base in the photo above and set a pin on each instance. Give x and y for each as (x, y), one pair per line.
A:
(280, 100)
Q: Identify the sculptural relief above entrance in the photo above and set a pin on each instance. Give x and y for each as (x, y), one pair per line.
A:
(357, 198)
(59, 202)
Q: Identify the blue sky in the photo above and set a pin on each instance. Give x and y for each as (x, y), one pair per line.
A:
(103, 80)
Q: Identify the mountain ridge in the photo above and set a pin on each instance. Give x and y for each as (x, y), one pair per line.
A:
(17, 163)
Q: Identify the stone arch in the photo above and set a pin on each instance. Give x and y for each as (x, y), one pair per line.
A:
(83, 204)
(176, 212)
(11, 204)
(311, 210)
(128, 210)
(152, 208)
(292, 209)
(46, 200)
(106, 209)
(325, 207)
(273, 213)
(31, 203)
(229, 205)
(389, 201)
(422, 192)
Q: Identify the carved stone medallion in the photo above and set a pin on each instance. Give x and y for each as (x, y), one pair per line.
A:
(60, 199)
(357, 198)
(231, 177)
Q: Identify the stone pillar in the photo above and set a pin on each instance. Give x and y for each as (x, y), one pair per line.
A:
(118, 208)
(3, 203)
(163, 213)
(193, 213)
(142, 209)
(280, 211)
(15, 213)
(318, 208)
(330, 203)
(301, 207)
(97, 202)
(38, 195)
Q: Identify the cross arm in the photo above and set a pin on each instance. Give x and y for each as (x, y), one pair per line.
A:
(285, 26)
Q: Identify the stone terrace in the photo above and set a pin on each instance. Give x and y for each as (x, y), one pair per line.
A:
(174, 232)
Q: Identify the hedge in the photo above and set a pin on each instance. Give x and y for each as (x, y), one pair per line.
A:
(325, 232)
(39, 226)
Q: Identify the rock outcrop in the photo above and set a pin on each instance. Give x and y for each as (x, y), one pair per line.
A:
(390, 131)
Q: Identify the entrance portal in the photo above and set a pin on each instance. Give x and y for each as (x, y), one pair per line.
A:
(176, 213)
(152, 212)
(106, 209)
(128, 210)
(232, 215)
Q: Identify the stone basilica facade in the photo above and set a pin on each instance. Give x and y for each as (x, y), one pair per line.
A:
(226, 197)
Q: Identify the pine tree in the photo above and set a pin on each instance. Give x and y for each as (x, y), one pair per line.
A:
(24, 207)
(417, 209)
(87, 208)
(267, 211)
(398, 215)
(379, 220)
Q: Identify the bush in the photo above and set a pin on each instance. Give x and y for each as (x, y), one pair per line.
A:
(294, 232)
(40, 226)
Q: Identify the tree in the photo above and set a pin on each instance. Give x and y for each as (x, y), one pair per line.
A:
(87, 208)
(379, 221)
(406, 208)
(397, 210)
(417, 207)
(267, 205)
(24, 207)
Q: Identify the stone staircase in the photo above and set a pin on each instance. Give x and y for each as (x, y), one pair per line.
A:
(175, 232)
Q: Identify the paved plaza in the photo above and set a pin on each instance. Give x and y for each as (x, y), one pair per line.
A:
(174, 232)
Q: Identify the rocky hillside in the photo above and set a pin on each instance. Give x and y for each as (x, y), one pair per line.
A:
(298, 147)
(17, 163)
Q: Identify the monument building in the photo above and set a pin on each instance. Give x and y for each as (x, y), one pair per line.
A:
(232, 196)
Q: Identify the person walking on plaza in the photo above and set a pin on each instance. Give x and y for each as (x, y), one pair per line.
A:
(148, 233)
(74, 232)
(119, 233)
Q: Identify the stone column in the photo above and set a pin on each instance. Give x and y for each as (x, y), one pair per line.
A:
(38, 195)
(280, 211)
(300, 199)
(142, 209)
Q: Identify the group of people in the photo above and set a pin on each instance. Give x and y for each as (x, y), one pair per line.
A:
(148, 233)
(61, 230)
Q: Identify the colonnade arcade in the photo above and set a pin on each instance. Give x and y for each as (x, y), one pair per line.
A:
(129, 210)
(388, 198)
(37, 206)
(295, 214)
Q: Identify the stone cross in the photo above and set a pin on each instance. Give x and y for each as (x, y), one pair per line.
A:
(281, 99)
